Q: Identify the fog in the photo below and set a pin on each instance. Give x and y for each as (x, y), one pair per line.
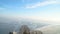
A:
(11, 24)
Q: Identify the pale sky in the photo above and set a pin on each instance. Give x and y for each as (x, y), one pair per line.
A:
(45, 10)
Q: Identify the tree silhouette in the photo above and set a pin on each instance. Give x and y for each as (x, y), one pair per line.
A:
(24, 29)
(24, 32)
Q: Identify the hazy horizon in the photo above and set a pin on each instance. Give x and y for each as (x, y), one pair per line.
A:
(34, 13)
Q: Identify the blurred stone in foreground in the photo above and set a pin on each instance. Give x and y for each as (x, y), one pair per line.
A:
(36, 32)
(12, 33)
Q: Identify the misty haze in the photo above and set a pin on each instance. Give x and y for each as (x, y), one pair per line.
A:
(29, 16)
